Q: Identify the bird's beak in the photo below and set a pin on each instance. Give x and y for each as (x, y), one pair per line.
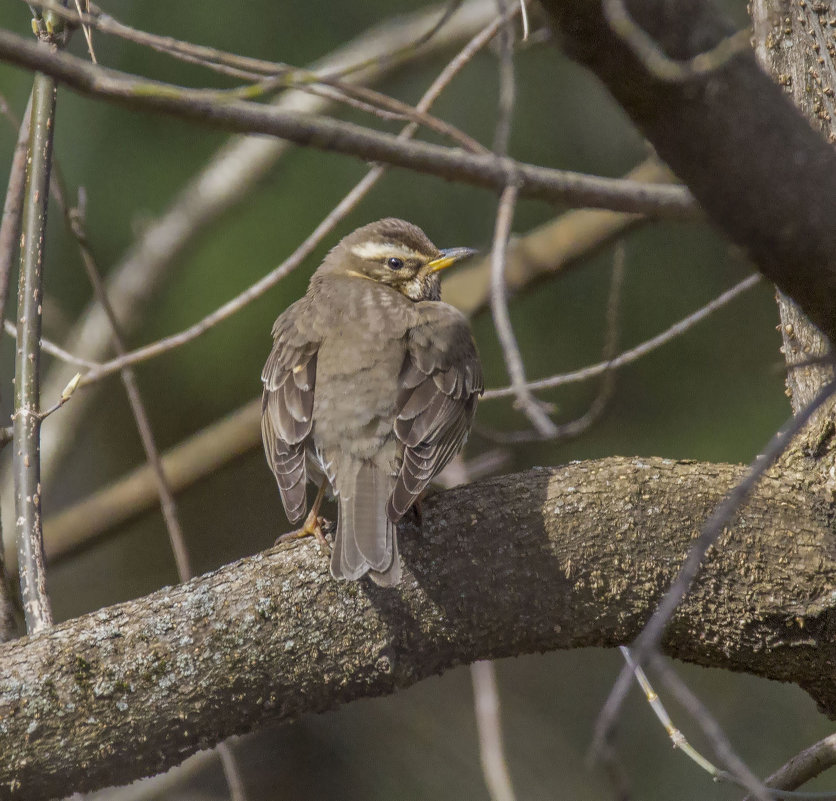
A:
(449, 256)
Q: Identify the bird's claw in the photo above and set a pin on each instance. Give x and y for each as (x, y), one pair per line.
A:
(311, 528)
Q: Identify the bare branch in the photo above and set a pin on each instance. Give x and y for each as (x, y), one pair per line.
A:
(13, 207)
(804, 766)
(489, 728)
(631, 355)
(75, 220)
(527, 403)
(342, 137)
(140, 696)
(27, 417)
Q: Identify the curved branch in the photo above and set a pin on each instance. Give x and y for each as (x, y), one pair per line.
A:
(325, 133)
(583, 554)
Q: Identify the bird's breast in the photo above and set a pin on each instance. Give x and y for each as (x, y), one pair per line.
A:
(359, 360)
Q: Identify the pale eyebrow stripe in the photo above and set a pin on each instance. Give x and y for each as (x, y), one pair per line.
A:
(380, 250)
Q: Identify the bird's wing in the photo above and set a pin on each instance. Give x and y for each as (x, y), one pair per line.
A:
(289, 377)
(439, 386)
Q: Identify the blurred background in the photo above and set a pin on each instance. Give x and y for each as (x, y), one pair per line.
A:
(715, 393)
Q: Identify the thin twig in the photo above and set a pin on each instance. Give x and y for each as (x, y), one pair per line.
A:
(232, 771)
(75, 220)
(233, 63)
(660, 65)
(9, 238)
(507, 85)
(800, 769)
(13, 206)
(525, 401)
(647, 642)
(48, 346)
(27, 419)
(738, 770)
(489, 728)
(88, 35)
(502, 319)
(576, 427)
(631, 355)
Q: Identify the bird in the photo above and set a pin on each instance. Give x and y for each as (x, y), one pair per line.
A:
(369, 390)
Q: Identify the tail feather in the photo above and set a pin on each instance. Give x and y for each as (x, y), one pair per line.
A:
(366, 538)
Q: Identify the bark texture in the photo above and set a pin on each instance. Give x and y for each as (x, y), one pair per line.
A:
(795, 43)
(560, 558)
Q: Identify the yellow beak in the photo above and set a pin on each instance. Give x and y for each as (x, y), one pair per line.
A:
(448, 257)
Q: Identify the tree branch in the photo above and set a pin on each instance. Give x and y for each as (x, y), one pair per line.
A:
(776, 200)
(323, 133)
(583, 554)
(27, 413)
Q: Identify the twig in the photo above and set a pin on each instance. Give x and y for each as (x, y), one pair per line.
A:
(574, 428)
(637, 352)
(801, 768)
(9, 237)
(502, 320)
(489, 728)
(804, 766)
(27, 420)
(88, 36)
(75, 220)
(328, 134)
(12, 207)
(48, 346)
(648, 51)
(235, 64)
(232, 772)
(507, 85)
(651, 635)
(737, 770)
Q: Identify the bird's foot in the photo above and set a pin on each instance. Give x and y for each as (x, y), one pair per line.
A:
(312, 527)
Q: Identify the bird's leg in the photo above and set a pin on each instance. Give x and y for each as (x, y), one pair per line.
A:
(312, 527)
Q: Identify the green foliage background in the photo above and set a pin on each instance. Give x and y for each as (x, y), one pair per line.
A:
(714, 394)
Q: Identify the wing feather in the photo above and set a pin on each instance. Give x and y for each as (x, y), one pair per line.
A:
(439, 387)
(289, 378)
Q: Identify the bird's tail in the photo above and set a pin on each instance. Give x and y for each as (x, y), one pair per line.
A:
(366, 540)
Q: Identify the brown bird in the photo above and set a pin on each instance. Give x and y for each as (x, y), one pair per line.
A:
(370, 388)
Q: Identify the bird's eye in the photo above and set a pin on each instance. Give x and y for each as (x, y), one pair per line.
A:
(394, 263)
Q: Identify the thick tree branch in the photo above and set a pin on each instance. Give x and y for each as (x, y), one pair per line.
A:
(583, 554)
(776, 199)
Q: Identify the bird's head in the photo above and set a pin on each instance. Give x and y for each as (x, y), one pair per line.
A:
(395, 253)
